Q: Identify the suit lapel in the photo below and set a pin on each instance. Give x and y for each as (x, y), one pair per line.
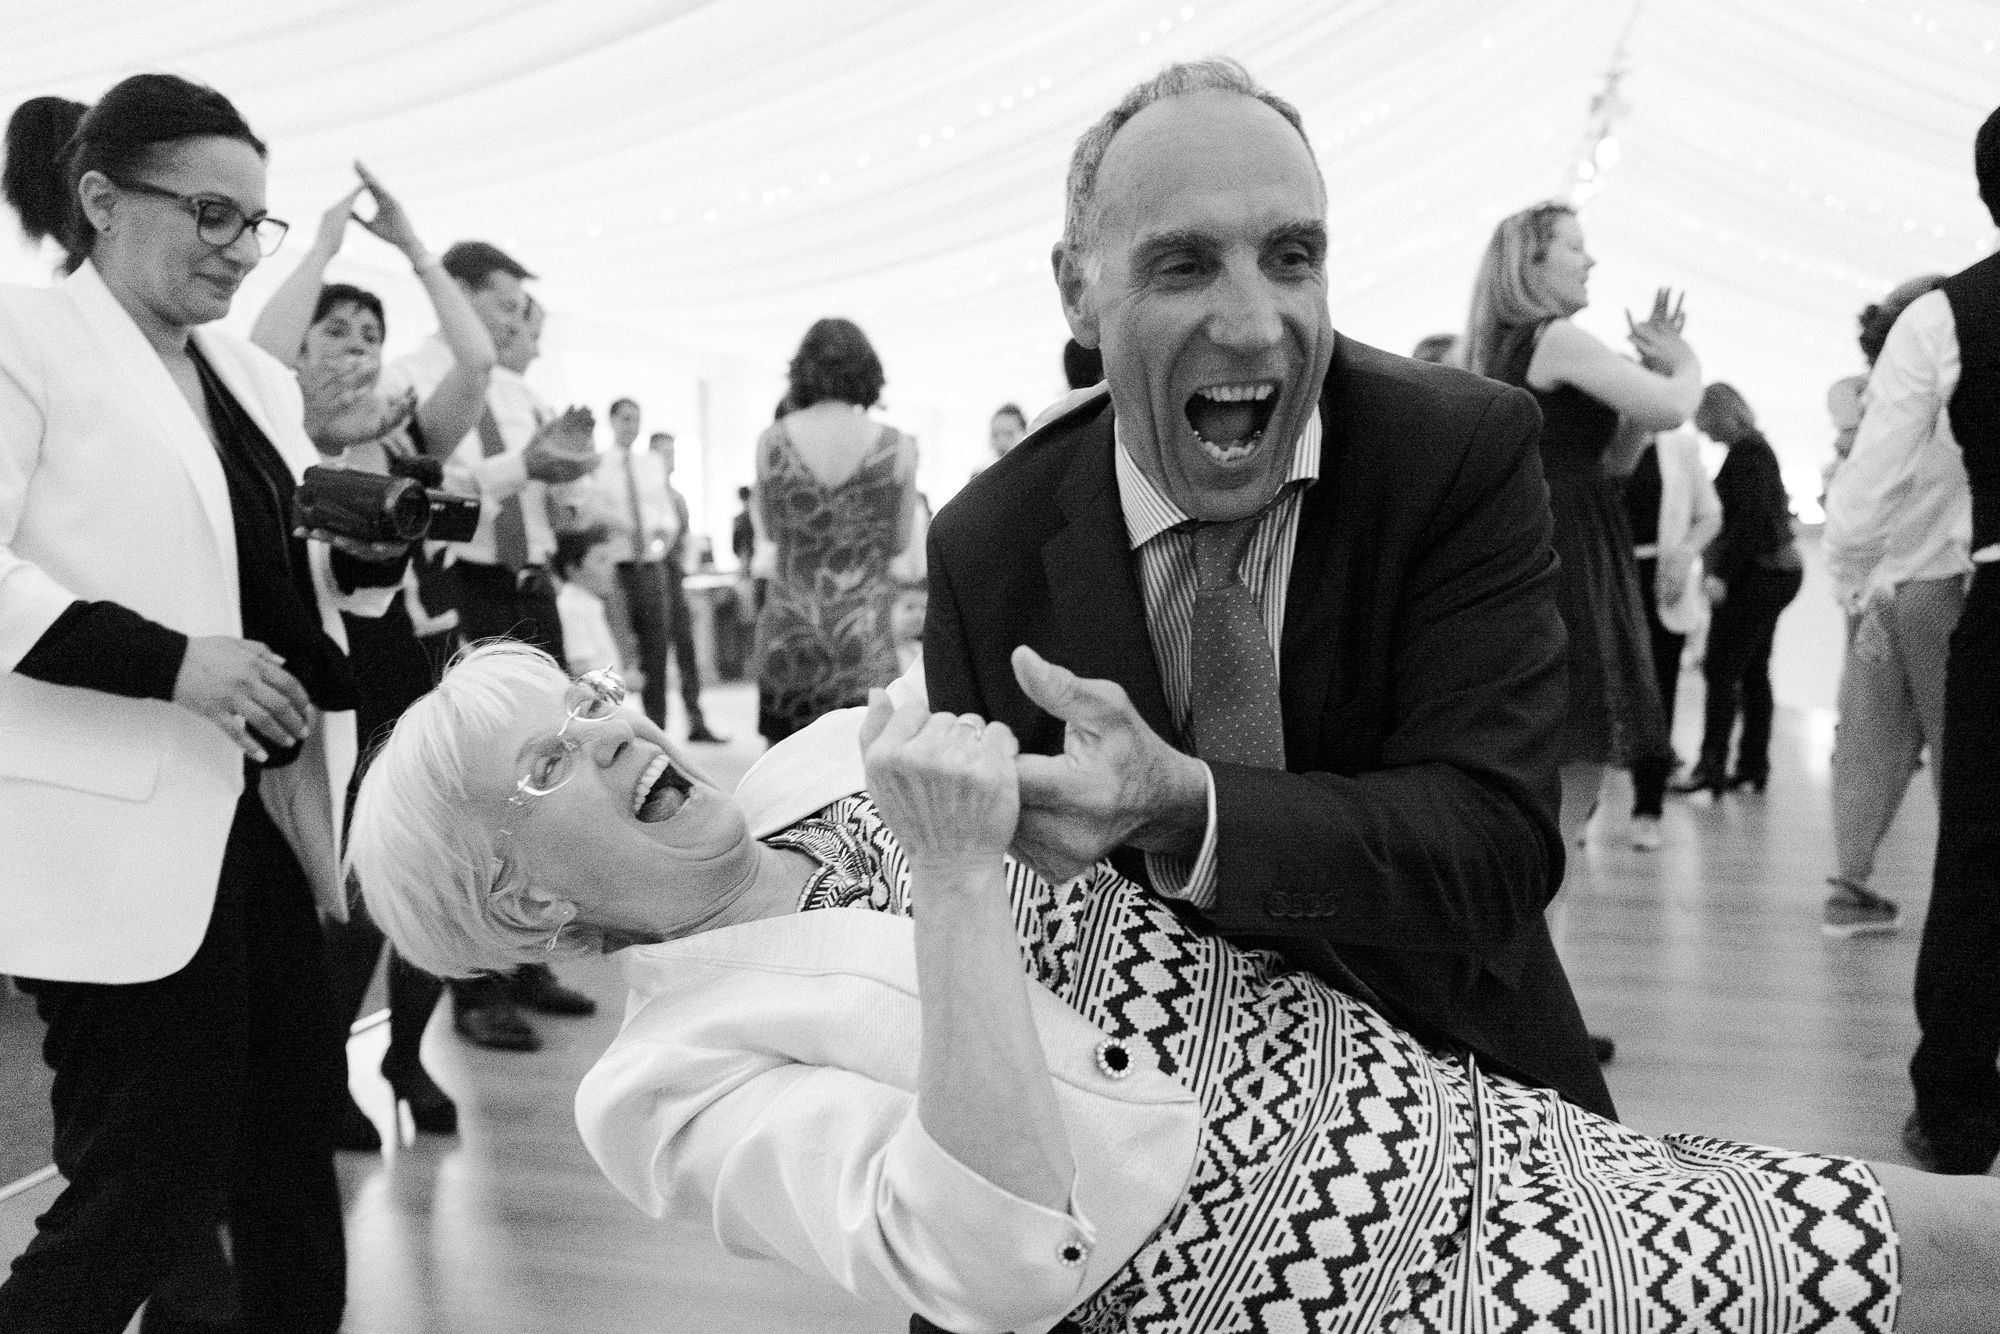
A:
(1311, 629)
(145, 377)
(1097, 613)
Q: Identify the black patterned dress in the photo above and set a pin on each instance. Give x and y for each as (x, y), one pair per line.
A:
(823, 636)
(1351, 1178)
(1615, 715)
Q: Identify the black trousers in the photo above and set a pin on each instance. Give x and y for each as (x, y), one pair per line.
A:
(1737, 668)
(680, 625)
(496, 603)
(1649, 776)
(205, 1097)
(645, 585)
(1958, 962)
(394, 670)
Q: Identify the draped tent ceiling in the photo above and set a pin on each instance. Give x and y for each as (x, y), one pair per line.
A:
(695, 181)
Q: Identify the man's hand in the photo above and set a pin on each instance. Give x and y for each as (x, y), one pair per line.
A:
(1116, 782)
(564, 449)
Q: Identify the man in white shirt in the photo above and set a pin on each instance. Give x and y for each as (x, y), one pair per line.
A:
(512, 458)
(680, 621)
(1935, 393)
(500, 581)
(634, 501)
(1903, 594)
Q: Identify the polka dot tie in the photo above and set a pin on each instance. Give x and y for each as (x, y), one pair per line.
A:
(1237, 716)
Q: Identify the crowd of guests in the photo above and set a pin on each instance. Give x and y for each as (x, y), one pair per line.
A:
(1099, 785)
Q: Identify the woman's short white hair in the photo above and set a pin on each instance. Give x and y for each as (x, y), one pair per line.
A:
(423, 857)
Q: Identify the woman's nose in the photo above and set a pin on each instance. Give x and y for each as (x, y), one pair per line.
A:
(606, 736)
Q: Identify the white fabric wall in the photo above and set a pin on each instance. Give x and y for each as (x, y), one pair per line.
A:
(695, 182)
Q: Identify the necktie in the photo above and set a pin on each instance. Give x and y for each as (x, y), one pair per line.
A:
(510, 526)
(640, 549)
(1236, 712)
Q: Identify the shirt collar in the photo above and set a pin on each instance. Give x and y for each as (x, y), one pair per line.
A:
(1148, 510)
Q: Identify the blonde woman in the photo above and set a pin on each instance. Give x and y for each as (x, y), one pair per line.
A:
(864, 1042)
(1532, 281)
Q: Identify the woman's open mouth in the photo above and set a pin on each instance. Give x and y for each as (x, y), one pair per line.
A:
(660, 792)
(1229, 419)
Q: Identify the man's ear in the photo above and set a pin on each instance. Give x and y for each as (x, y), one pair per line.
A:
(1074, 286)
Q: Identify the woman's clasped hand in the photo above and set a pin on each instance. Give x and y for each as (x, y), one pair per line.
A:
(945, 783)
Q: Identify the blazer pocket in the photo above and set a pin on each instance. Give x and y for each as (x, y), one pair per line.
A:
(106, 766)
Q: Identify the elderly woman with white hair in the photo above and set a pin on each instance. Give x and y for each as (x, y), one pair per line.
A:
(864, 1042)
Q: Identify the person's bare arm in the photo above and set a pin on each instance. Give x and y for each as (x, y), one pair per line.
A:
(282, 323)
(1653, 400)
(946, 786)
(453, 407)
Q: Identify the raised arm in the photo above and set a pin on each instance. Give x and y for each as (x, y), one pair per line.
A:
(281, 326)
(1654, 397)
(452, 408)
(946, 787)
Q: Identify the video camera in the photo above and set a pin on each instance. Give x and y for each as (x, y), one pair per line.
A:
(403, 506)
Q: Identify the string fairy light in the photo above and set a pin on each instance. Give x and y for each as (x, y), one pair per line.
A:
(1600, 150)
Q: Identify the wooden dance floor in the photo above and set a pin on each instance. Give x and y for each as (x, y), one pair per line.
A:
(1733, 1016)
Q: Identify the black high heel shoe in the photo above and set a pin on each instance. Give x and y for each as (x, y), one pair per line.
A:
(431, 1109)
(1701, 779)
(354, 1132)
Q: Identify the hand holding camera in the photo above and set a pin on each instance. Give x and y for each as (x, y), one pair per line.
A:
(565, 448)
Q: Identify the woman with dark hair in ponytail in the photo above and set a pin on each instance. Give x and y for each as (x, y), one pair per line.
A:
(176, 704)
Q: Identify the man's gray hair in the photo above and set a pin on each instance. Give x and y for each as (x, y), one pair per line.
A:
(1216, 74)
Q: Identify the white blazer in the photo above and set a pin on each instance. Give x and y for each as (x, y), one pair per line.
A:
(764, 1083)
(114, 811)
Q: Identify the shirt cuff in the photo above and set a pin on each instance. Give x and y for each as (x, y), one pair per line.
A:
(352, 572)
(1174, 876)
(985, 1249)
(108, 647)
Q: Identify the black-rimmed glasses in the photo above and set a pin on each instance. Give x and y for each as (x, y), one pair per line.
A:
(218, 221)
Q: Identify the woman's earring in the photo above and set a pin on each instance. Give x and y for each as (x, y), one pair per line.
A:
(565, 913)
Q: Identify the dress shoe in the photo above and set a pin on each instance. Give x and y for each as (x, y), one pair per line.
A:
(535, 986)
(1855, 910)
(432, 1111)
(354, 1132)
(495, 1024)
(1755, 782)
(1701, 780)
(699, 734)
(1646, 833)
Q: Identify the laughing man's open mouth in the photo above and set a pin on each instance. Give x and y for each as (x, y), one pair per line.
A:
(1229, 419)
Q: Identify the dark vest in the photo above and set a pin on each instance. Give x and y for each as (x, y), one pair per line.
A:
(1974, 295)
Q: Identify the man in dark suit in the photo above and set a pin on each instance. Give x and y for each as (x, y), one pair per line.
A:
(1377, 799)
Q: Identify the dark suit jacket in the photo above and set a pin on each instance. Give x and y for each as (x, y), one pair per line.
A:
(1407, 856)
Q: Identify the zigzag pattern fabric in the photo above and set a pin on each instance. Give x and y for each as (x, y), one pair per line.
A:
(1351, 1178)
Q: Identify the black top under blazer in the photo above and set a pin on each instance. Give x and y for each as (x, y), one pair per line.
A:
(1410, 851)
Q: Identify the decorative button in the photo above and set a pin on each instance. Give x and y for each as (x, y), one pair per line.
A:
(1113, 1059)
(1073, 1253)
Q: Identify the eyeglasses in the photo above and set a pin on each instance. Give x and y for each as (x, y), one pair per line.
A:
(591, 698)
(217, 221)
